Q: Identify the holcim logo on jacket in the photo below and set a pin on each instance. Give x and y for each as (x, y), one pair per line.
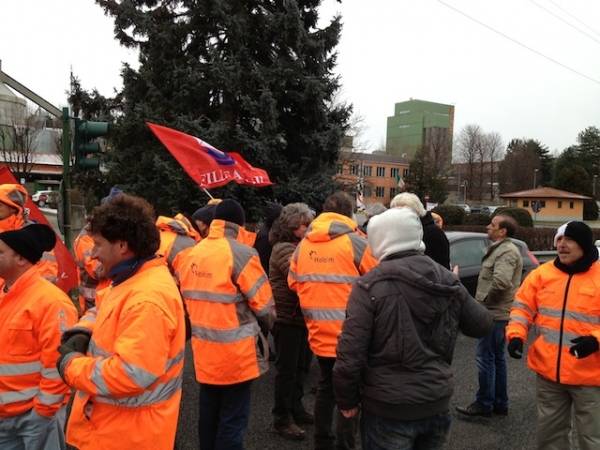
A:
(320, 259)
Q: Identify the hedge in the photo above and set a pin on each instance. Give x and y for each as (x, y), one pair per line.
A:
(451, 214)
(521, 215)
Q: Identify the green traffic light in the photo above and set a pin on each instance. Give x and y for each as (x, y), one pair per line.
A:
(83, 142)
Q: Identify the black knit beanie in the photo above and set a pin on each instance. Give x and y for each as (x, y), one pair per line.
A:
(582, 234)
(205, 214)
(31, 241)
(231, 211)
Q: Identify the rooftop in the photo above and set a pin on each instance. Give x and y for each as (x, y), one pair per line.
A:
(545, 192)
(373, 157)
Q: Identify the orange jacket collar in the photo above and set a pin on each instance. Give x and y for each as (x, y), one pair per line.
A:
(221, 228)
(328, 226)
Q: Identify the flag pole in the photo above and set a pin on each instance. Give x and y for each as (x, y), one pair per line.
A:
(208, 193)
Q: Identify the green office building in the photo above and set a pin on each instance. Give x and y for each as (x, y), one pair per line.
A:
(416, 124)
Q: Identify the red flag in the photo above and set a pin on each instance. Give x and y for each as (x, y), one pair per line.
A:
(67, 269)
(206, 165)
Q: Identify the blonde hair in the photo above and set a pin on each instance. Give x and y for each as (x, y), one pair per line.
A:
(409, 200)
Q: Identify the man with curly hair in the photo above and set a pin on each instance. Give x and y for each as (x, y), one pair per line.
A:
(125, 357)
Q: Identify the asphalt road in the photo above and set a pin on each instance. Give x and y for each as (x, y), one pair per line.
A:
(516, 431)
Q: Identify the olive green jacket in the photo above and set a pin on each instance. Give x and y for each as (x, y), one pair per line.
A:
(499, 278)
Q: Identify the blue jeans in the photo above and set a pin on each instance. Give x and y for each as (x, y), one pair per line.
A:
(379, 433)
(224, 413)
(491, 362)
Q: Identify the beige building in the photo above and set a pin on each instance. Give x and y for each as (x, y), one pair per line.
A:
(554, 205)
(376, 174)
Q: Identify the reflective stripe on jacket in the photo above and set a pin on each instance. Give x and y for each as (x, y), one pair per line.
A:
(332, 255)
(226, 290)
(33, 315)
(176, 235)
(561, 307)
(129, 383)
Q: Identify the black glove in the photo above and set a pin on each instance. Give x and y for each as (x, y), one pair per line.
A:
(515, 348)
(77, 342)
(584, 346)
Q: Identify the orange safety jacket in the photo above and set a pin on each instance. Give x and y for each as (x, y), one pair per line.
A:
(561, 307)
(332, 255)
(226, 290)
(176, 236)
(90, 275)
(33, 315)
(129, 383)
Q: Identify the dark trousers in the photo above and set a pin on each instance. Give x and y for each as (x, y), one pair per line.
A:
(491, 362)
(345, 431)
(379, 433)
(293, 360)
(224, 413)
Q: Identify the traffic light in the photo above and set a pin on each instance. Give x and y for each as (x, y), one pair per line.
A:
(83, 142)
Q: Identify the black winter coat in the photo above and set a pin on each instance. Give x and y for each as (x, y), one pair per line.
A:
(396, 346)
(436, 243)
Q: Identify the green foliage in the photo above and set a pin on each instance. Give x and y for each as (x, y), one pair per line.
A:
(424, 181)
(521, 215)
(252, 76)
(452, 214)
(476, 219)
(522, 157)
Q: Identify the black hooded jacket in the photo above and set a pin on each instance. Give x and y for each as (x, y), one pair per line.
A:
(436, 243)
(396, 346)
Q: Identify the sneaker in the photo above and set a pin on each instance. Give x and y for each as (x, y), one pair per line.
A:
(304, 418)
(290, 431)
(500, 411)
(474, 409)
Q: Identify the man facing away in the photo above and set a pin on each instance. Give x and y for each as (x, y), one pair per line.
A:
(33, 314)
(125, 356)
(561, 298)
(332, 255)
(498, 281)
(395, 351)
(229, 298)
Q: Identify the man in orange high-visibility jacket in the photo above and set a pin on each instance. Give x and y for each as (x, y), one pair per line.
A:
(332, 255)
(176, 236)
(227, 294)
(33, 313)
(562, 300)
(91, 278)
(14, 216)
(128, 380)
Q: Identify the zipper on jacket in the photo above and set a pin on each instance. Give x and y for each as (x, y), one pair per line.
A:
(562, 322)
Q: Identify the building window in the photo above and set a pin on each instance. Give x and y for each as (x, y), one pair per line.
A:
(405, 173)
(525, 203)
(559, 204)
(380, 171)
(392, 192)
(379, 191)
(394, 172)
(339, 169)
(543, 203)
(354, 169)
(367, 171)
(571, 205)
(367, 191)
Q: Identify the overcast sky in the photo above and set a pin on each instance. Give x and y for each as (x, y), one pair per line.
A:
(390, 51)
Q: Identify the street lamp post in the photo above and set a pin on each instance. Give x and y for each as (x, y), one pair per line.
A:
(465, 192)
(535, 171)
(594, 186)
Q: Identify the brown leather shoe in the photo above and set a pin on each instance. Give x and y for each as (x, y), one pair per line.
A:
(474, 409)
(290, 431)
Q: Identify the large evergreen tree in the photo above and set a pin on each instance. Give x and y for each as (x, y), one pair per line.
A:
(518, 169)
(253, 76)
